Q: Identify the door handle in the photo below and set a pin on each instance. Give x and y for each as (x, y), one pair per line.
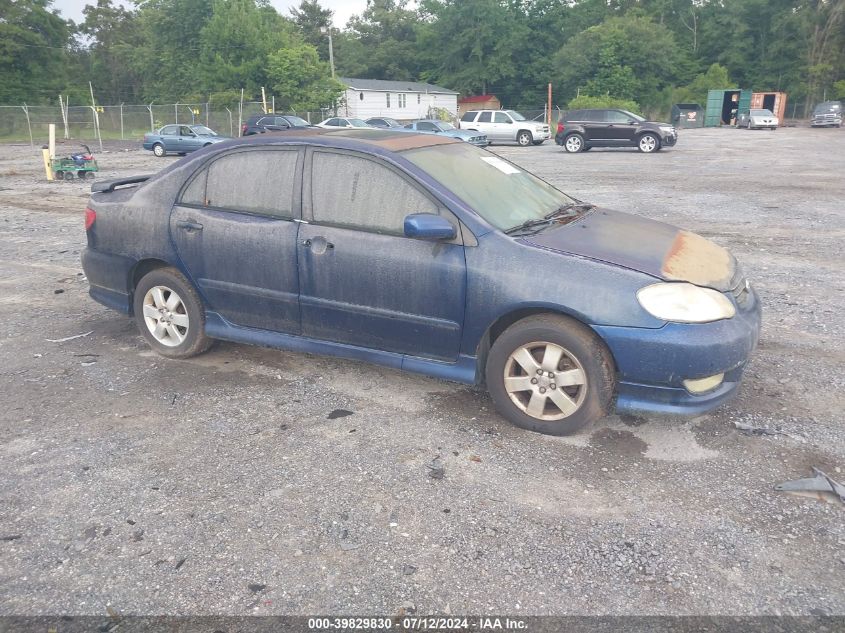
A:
(318, 245)
(189, 226)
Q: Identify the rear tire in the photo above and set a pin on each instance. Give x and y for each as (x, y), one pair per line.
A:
(170, 314)
(550, 374)
(573, 143)
(524, 138)
(158, 150)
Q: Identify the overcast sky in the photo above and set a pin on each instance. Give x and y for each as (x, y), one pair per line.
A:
(343, 9)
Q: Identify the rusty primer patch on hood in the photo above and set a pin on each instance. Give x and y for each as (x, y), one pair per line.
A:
(699, 261)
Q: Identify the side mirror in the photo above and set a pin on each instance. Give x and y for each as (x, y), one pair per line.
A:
(426, 226)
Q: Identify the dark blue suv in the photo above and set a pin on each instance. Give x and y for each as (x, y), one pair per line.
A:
(426, 254)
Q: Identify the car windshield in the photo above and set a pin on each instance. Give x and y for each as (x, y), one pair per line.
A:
(203, 131)
(295, 120)
(357, 123)
(516, 116)
(636, 117)
(443, 125)
(392, 122)
(761, 113)
(502, 193)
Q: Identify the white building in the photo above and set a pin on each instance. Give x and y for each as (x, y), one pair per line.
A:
(401, 100)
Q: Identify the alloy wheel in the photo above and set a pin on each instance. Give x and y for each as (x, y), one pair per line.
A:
(648, 143)
(545, 381)
(165, 316)
(573, 144)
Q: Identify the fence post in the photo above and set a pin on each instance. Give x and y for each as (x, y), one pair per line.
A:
(176, 110)
(64, 115)
(121, 121)
(231, 129)
(152, 122)
(28, 123)
(206, 115)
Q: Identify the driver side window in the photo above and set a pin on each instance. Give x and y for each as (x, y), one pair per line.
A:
(501, 117)
(363, 194)
(615, 116)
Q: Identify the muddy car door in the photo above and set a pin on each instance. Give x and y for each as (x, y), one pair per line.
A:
(235, 231)
(363, 282)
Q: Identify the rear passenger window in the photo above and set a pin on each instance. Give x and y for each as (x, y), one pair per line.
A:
(484, 117)
(363, 194)
(595, 115)
(256, 181)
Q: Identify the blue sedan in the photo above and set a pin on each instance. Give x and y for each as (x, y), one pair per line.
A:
(425, 254)
(181, 139)
(431, 126)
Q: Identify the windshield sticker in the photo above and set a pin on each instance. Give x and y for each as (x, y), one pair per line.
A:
(498, 163)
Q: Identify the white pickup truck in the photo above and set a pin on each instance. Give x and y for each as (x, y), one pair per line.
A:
(505, 126)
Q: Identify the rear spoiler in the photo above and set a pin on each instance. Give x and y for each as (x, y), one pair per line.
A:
(107, 186)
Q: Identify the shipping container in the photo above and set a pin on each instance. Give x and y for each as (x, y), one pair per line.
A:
(686, 115)
(724, 106)
(774, 101)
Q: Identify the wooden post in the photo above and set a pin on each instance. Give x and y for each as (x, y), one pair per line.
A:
(176, 110)
(48, 168)
(231, 131)
(152, 122)
(550, 105)
(121, 121)
(51, 144)
(263, 100)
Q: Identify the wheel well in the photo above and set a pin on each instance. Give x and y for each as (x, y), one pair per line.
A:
(524, 130)
(503, 323)
(139, 270)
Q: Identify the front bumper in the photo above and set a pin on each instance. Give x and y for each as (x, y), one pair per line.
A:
(669, 140)
(653, 363)
(541, 134)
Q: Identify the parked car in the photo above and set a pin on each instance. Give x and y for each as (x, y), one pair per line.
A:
(383, 122)
(505, 126)
(581, 130)
(827, 114)
(337, 121)
(422, 253)
(180, 139)
(757, 120)
(431, 126)
(261, 123)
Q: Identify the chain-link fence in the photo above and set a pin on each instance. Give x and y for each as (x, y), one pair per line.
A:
(25, 123)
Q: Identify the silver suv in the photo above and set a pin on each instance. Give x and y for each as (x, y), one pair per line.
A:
(503, 126)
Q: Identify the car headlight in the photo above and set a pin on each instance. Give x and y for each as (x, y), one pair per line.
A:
(685, 303)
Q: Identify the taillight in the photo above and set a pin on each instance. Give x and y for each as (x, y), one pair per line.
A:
(90, 216)
(560, 127)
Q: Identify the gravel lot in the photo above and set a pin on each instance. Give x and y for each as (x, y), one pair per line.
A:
(254, 481)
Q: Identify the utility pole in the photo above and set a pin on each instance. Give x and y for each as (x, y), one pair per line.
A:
(328, 30)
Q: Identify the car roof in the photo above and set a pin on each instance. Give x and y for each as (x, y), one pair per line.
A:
(370, 140)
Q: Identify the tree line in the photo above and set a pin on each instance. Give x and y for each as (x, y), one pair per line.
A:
(647, 54)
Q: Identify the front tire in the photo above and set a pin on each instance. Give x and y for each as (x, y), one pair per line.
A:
(524, 138)
(170, 314)
(158, 150)
(648, 143)
(550, 374)
(573, 143)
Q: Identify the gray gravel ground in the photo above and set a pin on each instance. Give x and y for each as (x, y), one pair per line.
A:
(229, 484)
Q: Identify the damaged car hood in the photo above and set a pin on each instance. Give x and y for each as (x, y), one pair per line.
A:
(648, 246)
